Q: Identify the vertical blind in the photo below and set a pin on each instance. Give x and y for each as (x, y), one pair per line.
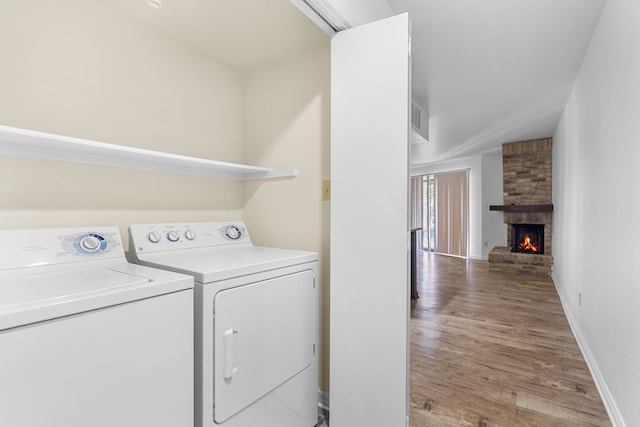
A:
(452, 211)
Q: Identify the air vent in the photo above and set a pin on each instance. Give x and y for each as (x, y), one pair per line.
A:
(416, 120)
(419, 123)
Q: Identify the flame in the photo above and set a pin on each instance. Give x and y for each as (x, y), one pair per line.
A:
(527, 245)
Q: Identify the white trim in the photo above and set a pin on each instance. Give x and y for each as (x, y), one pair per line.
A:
(323, 14)
(609, 402)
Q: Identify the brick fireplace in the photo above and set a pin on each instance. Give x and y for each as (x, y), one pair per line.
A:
(527, 209)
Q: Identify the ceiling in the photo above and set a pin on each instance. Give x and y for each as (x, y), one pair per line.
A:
(488, 71)
(494, 71)
(242, 34)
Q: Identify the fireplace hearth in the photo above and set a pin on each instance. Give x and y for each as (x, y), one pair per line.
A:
(527, 238)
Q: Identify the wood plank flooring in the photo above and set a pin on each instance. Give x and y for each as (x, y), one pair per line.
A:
(494, 349)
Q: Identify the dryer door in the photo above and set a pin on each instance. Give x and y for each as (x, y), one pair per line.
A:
(264, 334)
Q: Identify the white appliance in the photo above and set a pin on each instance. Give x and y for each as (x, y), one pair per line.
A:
(88, 339)
(256, 362)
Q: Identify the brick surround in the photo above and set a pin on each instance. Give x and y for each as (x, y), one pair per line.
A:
(527, 180)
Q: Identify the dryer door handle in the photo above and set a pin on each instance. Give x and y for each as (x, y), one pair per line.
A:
(230, 343)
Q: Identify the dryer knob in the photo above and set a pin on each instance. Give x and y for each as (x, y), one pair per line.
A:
(233, 232)
(190, 234)
(154, 237)
(173, 236)
(90, 243)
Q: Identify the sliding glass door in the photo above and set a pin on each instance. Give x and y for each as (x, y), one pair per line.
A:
(445, 213)
(428, 213)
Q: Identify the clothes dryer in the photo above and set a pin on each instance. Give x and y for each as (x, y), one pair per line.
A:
(88, 339)
(255, 307)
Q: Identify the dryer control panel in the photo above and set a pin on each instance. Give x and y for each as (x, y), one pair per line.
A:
(166, 237)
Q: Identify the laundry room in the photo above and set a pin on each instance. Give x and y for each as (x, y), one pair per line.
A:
(130, 75)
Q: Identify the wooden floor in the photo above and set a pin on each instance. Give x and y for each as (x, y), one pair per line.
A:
(494, 349)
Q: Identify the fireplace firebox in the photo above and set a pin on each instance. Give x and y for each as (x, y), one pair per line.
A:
(527, 238)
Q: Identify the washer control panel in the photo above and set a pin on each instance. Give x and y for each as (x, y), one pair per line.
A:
(88, 243)
(47, 246)
(162, 237)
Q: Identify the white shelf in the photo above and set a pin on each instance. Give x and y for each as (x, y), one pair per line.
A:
(39, 145)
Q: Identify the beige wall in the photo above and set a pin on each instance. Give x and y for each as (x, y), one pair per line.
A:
(286, 111)
(74, 68)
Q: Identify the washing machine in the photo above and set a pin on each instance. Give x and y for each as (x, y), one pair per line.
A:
(255, 321)
(88, 339)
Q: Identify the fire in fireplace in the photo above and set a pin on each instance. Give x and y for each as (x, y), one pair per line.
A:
(527, 238)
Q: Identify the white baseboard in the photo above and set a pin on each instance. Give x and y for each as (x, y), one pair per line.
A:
(609, 403)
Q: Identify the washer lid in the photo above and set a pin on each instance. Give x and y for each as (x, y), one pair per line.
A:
(213, 264)
(34, 297)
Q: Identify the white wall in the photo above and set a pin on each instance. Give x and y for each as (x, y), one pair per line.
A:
(474, 165)
(595, 196)
(494, 230)
(74, 68)
(287, 107)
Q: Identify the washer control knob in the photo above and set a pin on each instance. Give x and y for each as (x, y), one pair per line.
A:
(190, 234)
(173, 236)
(90, 243)
(154, 237)
(233, 232)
